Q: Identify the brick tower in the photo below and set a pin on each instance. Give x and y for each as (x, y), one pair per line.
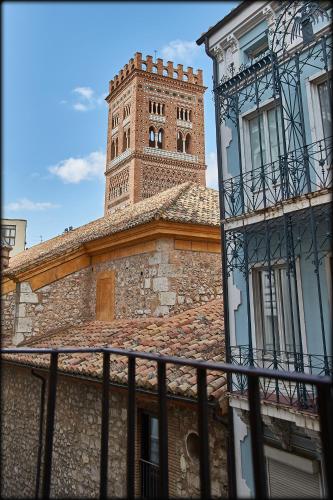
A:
(155, 131)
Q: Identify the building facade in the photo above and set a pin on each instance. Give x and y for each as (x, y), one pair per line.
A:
(273, 91)
(155, 130)
(13, 231)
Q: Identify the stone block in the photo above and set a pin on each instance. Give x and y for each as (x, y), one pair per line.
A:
(29, 298)
(167, 298)
(161, 311)
(160, 284)
(24, 325)
(170, 270)
(25, 287)
(21, 310)
(147, 282)
(155, 259)
(181, 299)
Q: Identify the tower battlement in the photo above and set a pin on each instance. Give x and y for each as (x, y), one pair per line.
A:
(158, 68)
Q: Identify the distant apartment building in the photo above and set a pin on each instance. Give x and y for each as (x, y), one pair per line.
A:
(13, 231)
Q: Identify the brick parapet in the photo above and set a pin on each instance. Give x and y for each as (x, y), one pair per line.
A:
(159, 68)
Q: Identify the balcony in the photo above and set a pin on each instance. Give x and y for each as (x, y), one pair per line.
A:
(158, 476)
(300, 396)
(301, 172)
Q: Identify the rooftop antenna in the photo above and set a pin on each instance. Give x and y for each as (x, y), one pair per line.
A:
(41, 238)
(155, 52)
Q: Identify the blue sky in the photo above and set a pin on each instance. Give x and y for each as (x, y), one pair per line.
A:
(58, 59)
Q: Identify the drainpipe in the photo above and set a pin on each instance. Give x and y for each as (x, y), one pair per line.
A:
(40, 436)
(231, 444)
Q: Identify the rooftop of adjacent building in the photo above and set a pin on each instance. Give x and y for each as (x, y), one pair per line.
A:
(184, 203)
(195, 333)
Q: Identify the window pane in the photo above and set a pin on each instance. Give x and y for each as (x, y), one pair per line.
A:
(289, 311)
(269, 311)
(326, 116)
(274, 118)
(255, 143)
(325, 108)
(154, 456)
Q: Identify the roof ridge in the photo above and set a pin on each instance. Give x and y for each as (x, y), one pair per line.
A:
(168, 203)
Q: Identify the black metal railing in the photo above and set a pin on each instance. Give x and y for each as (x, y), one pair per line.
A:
(323, 385)
(288, 392)
(149, 479)
(302, 171)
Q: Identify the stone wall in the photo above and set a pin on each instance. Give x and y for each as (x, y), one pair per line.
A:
(163, 282)
(8, 305)
(75, 471)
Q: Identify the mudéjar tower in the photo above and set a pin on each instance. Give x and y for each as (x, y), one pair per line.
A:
(155, 130)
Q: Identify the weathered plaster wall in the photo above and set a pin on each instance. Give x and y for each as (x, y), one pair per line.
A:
(75, 471)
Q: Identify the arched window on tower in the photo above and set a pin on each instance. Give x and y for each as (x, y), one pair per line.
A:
(151, 137)
(113, 151)
(160, 139)
(129, 138)
(188, 144)
(179, 142)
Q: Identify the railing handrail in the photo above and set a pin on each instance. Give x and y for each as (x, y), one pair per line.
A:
(209, 365)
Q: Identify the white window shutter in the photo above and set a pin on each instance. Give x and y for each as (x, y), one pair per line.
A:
(285, 481)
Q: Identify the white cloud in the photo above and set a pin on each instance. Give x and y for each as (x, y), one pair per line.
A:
(75, 170)
(79, 106)
(211, 172)
(87, 99)
(180, 51)
(25, 204)
(85, 92)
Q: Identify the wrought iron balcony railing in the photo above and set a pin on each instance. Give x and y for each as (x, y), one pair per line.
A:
(250, 375)
(299, 395)
(149, 479)
(302, 171)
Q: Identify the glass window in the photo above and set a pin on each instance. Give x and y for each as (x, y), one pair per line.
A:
(276, 317)
(9, 234)
(153, 437)
(269, 137)
(324, 91)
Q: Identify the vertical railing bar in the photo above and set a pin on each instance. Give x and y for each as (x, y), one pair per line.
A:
(203, 433)
(131, 428)
(163, 431)
(257, 447)
(49, 432)
(325, 406)
(105, 426)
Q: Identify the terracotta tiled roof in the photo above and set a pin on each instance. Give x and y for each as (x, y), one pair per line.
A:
(187, 202)
(196, 333)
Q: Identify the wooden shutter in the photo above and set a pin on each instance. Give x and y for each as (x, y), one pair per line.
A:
(286, 481)
(105, 291)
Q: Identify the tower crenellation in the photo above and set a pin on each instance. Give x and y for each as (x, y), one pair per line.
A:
(155, 130)
(158, 67)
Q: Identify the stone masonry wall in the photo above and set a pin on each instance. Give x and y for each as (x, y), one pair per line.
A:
(8, 305)
(159, 283)
(164, 282)
(75, 471)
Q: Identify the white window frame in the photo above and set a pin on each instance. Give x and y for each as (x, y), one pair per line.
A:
(315, 119)
(254, 307)
(244, 126)
(316, 125)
